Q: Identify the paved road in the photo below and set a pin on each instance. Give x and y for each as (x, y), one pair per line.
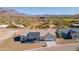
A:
(64, 47)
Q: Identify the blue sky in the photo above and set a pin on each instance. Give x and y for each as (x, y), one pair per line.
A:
(47, 10)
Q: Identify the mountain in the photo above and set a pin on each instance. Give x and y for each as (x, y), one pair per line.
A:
(6, 13)
(9, 12)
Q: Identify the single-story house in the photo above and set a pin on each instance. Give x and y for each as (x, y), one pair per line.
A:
(34, 35)
(70, 33)
(30, 37)
(38, 35)
(74, 34)
(62, 32)
(49, 37)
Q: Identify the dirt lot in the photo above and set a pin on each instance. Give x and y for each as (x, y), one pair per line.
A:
(11, 45)
(64, 41)
(64, 47)
(7, 42)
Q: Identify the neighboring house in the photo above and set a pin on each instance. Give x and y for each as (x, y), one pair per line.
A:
(61, 32)
(38, 35)
(34, 35)
(49, 37)
(3, 26)
(70, 33)
(30, 37)
(64, 35)
(74, 34)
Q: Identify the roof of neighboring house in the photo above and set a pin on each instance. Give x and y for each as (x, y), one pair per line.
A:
(33, 35)
(49, 35)
(43, 32)
(66, 30)
(72, 31)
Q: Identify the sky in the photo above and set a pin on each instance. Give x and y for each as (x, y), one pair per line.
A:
(47, 10)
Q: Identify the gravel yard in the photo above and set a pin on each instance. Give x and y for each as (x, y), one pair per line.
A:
(8, 43)
(60, 41)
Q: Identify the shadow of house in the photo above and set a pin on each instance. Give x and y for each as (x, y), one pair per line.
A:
(17, 38)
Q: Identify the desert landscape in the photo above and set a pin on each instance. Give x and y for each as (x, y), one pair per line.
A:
(7, 42)
(21, 31)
